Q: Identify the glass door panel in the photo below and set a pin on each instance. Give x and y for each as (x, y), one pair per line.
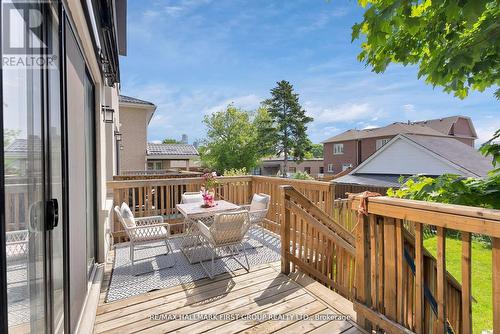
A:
(24, 179)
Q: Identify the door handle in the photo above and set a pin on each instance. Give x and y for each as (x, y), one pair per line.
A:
(52, 213)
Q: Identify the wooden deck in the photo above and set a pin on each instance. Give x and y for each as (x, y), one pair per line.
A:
(264, 291)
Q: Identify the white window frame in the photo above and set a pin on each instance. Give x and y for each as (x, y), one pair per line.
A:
(338, 149)
(346, 166)
(381, 142)
(330, 168)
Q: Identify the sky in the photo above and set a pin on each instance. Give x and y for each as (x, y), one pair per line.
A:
(194, 57)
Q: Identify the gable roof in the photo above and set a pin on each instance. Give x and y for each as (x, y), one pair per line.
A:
(432, 127)
(171, 150)
(444, 125)
(389, 130)
(133, 100)
(448, 150)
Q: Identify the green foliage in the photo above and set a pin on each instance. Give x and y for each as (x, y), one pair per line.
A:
(171, 141)
(289, 123)
(235, 172)
(302, 176)
(482, 310)
(233, 139)
(452, 189)
(317, 150)
(454, 43)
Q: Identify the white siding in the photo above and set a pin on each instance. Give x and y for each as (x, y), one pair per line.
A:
(402, 157)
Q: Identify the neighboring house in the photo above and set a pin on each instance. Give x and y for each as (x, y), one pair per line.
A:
(274, 166)
(64, 118)
(352, 147)
(407, 155)
(171, 156)
(135, 115)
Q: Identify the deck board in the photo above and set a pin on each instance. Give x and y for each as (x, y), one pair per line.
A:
(263, 292)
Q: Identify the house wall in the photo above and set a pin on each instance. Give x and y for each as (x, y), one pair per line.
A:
(462, 129)
(404, 158)
(134, 123)
(349, 156)
(272, 169)
(105, 153)
(369, 146)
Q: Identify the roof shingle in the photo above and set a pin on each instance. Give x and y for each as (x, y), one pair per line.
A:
(171, 149)
(133, 100)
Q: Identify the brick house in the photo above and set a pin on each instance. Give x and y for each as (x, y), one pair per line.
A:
(352, 147)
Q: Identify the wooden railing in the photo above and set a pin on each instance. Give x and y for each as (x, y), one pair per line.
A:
(160, 196)
(16, 207)
(326, 242)
(312, 242)
(390, 293)
(320, 193)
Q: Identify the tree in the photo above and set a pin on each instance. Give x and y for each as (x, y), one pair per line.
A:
(317, 150)
(232, 139)
(289, 122)
(454, 43)
(170, 141)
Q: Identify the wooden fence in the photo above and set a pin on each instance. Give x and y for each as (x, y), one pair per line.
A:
(381, 244)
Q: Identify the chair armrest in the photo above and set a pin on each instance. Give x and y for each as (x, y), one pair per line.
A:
(137, 232)
(204, 230)
(146, 221)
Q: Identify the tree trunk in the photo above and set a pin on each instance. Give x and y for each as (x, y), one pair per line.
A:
(285, 165)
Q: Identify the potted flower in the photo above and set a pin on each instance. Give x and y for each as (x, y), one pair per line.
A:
(208, 189)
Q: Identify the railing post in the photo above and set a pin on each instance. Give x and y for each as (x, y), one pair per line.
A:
(285, 230)
(363, 267)
(330, 199)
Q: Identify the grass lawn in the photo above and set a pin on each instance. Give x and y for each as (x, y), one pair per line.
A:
(482, 311)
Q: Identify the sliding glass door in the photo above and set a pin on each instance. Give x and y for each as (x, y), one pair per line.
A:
(32, 166)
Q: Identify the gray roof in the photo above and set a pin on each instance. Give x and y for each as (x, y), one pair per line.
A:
(456, 152)
(444, 125)
(21, 146)
(386, 131)
(171, 149)
(133, 100)
(377, 180)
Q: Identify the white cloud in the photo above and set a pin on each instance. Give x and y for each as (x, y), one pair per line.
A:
(246, 102)
(370, 126)
(409, 108)
(346, 112)
(485, 131)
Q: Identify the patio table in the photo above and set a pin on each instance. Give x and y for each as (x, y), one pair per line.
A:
(193, 212)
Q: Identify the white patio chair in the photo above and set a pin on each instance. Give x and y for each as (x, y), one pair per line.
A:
(258, 209)
(191, 197)
(144, 230)
(227, 231)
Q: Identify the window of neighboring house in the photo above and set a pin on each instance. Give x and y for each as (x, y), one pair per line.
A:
(330, 168)
(307, 170)
(338, 148)
(346, 166)
(154, 165)
(321, 170)
(382, 142)
(292, 169)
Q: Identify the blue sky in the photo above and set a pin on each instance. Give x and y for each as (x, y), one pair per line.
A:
(193, 57)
